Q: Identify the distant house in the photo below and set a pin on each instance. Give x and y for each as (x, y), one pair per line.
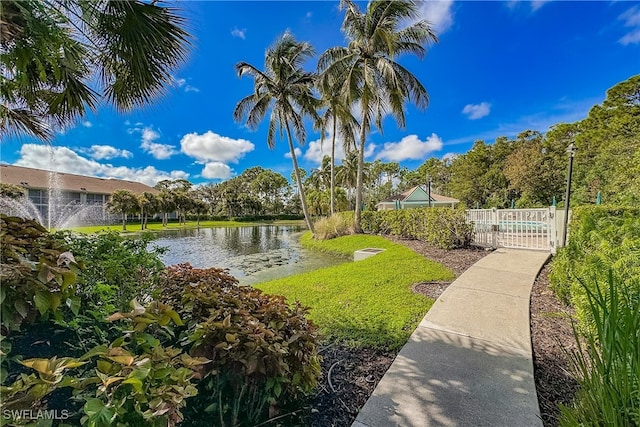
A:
(416, 197)
(71, 189)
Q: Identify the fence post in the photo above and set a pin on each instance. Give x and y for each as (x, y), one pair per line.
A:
(553, 230)
(495, 227)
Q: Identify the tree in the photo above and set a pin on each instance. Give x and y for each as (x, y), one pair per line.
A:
(148, 203)
(285, 89)
(123, 202)
(338, 114)
(368, 69)
(61, 56)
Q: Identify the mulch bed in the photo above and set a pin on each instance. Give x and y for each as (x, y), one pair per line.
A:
(552, 336)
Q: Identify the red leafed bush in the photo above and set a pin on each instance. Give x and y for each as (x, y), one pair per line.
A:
(263, 350)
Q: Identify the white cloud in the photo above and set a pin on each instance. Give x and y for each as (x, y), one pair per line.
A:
(449, 157)
(181, 82)
(239, 33)
(631, 19)
(477, 111)
(297, 150)
(211, 147)
(106, 152)
(157, 150)
(533, 4)
(216, 170)
(63, 159)
(410, 148)
(318, 149)
(87, 124)
(438, 13)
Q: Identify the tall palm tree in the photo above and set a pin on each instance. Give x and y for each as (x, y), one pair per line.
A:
(338, 114)
(285, 89)
(61, 56)
(369, 72)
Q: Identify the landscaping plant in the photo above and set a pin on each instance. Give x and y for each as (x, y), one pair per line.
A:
(262, 351)
(445, 228)
(607, 361)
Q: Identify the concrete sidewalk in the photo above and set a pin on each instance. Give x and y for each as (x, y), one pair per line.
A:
(469, 361)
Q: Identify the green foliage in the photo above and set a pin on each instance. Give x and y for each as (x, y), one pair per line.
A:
(11, 191)
(442, 227)
(261, 349)
(366, 303)
(117, 271)
(334, 226)
(38, 275)
(607, 361)
(600, 238)
(133, 381)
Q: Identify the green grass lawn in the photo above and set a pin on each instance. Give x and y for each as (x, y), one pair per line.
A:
(132, 228)
(366, 303)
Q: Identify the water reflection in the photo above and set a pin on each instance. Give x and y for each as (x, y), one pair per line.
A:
(252, 254)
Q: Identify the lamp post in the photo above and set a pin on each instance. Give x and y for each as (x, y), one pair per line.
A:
(571, 150)
(429, 189)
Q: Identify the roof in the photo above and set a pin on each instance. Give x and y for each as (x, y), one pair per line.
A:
(405, 195)
(39, 178)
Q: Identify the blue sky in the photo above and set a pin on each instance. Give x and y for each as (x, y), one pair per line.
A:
(499, 68)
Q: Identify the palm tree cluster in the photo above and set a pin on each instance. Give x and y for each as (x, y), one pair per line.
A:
(363, 76)
(59, 57)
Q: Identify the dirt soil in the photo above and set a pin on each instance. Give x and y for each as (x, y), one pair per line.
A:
(349, 375)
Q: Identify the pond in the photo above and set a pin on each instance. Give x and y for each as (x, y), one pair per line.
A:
(252, 254)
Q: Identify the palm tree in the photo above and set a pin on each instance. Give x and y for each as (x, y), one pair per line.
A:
(61, 56)
(368, 69)
(148, 203)
(123, 202)
(285, 89)
(337, 113)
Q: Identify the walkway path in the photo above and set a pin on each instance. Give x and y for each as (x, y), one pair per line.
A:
(469, 361)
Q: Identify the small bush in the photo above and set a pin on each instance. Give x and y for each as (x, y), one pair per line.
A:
(262, 350)
(334, 226)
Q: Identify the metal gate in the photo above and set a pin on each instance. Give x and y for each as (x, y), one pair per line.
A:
(515, 228)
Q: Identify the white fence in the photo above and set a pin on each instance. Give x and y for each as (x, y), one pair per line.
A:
(516, 228)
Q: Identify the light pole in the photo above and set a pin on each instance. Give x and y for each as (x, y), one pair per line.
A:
(571, 150)
(429, 189)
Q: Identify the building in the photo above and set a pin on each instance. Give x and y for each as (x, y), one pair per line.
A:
(44, 187)
(416, 197)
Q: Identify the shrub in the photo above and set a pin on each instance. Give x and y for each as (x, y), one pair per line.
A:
(133, 381)
(442, 227)
(601, 238)
(37, 274)
(607, 362)
(334, 226)
(117, 269)
(262, 350)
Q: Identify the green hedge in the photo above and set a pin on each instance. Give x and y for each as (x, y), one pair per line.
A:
(442, 227)
(601, 238)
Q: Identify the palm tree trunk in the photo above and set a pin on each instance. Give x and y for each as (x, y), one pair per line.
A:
(333, 174)
(359, 179)
(141, 218)
(124, 221)
(303, 199)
